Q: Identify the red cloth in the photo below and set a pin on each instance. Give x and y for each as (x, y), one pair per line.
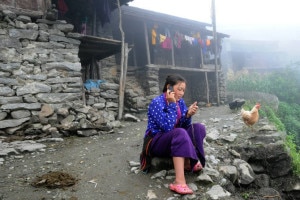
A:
(62, 7)
(167, 43)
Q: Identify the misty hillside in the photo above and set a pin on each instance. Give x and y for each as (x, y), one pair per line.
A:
(259, 54)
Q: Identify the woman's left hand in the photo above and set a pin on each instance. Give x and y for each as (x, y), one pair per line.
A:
(192, 110)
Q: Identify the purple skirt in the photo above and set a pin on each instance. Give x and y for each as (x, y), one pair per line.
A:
(180, 142)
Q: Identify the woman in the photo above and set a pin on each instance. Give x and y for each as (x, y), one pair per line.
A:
(170, 132)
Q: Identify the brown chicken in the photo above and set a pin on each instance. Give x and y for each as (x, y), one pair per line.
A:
(250, 117)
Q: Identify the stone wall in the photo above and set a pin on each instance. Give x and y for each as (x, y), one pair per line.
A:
(41, 84)
(32, 8)
(39, 65)
(41, 87)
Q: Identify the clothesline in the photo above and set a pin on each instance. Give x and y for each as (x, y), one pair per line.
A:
(165, 40)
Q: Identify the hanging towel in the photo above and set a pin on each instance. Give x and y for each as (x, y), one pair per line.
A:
(189, 39)
(167, 43)
(162, 38)
(153, 34)
(207, 42)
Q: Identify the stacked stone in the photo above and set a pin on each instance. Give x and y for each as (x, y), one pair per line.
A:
(40, 67)
(152, 81)
(222, 87)
(135, 100)
(105, 99)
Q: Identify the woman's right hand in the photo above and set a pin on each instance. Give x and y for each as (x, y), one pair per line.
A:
(170, 96)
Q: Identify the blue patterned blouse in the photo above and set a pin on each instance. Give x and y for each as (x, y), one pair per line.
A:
(163, 117)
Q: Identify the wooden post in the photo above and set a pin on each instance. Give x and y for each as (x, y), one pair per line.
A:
(122, 86)
(173, 58)
(99, 69)
(92, 76)
(215, 48)
(134, 54)
(207, 88)
(147, 43)
(123, 81)
(202, 61)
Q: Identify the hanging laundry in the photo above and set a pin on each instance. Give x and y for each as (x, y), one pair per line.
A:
(62, 7)
(167, 43)
(167, 32)
(189, 39)
(200, 41)
(153, 34)
(104, 11)
(207, 42)
(83, 26)
(197, 35)
(162, 38)
(204, 47)
(195, 42)
(178, 39)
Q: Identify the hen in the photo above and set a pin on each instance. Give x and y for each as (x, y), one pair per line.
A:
(250, 117)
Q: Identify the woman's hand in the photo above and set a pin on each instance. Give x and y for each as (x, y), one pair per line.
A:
(192, 110)
(170, 96)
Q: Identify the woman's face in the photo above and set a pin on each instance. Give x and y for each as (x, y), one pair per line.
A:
(179, 89)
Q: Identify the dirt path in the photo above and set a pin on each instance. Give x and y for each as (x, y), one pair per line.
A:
(99, 163)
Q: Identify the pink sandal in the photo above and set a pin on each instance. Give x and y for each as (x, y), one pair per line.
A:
(198, 167)
(180, 188)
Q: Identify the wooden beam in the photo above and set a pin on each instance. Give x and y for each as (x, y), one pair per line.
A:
(147, 43)
(207, 88)
(184, 68)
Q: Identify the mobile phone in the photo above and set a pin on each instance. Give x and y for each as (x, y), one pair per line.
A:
(171, 89)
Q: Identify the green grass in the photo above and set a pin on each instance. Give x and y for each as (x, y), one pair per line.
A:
(294, 153)
(290, 143)
(285, 84)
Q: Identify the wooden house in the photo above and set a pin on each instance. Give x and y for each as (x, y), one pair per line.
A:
(160, 44)
(171, 44)
(189, 48)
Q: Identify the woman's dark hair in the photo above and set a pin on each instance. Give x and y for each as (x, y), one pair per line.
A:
(173, 80)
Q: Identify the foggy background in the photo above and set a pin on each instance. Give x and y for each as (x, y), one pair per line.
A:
(263, 34)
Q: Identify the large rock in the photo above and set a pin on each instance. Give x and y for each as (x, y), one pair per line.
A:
(12, 122)
(269, 157)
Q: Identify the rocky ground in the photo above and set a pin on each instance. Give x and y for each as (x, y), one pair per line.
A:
(103, 166)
